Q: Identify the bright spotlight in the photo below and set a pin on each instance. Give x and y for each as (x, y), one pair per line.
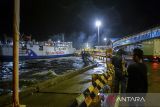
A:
(98, 23)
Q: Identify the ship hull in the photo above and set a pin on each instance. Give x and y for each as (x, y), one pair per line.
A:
(22, 58)
(29, 52)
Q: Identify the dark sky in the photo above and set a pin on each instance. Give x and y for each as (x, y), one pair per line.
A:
(42, 18)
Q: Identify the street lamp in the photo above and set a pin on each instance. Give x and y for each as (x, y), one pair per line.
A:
(87, 45)
(105, 39)
(98, 24)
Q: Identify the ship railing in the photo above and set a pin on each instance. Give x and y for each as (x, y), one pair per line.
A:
(6, 45)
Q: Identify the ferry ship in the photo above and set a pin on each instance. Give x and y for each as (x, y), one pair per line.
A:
(37, 50)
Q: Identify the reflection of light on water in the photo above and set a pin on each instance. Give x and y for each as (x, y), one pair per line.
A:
(155, 66)
(78, 64)
(8, 64)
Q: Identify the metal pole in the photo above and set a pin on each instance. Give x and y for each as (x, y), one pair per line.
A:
(98, 35)
(16, 15)
(63, 37)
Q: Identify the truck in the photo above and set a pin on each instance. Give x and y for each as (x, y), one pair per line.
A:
(151, 49)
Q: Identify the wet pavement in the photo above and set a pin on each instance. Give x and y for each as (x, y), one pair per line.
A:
(153, 77)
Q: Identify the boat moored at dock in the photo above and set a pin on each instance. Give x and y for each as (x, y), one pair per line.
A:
(35, 50)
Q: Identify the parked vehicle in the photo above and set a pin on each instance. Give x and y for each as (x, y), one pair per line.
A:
(151, 49)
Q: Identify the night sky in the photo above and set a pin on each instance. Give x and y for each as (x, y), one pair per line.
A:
(45, 18)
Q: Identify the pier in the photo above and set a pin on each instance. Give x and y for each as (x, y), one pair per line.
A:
(57, 58)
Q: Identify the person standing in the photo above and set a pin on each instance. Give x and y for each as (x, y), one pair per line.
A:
(120, 77)
(137, 78)
(137, 74)
(84, 57)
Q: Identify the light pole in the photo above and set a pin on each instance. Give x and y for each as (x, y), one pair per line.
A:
(105, 39)
(98, 24)
(16, 16)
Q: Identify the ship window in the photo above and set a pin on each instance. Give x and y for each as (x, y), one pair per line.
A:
(41, 48)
